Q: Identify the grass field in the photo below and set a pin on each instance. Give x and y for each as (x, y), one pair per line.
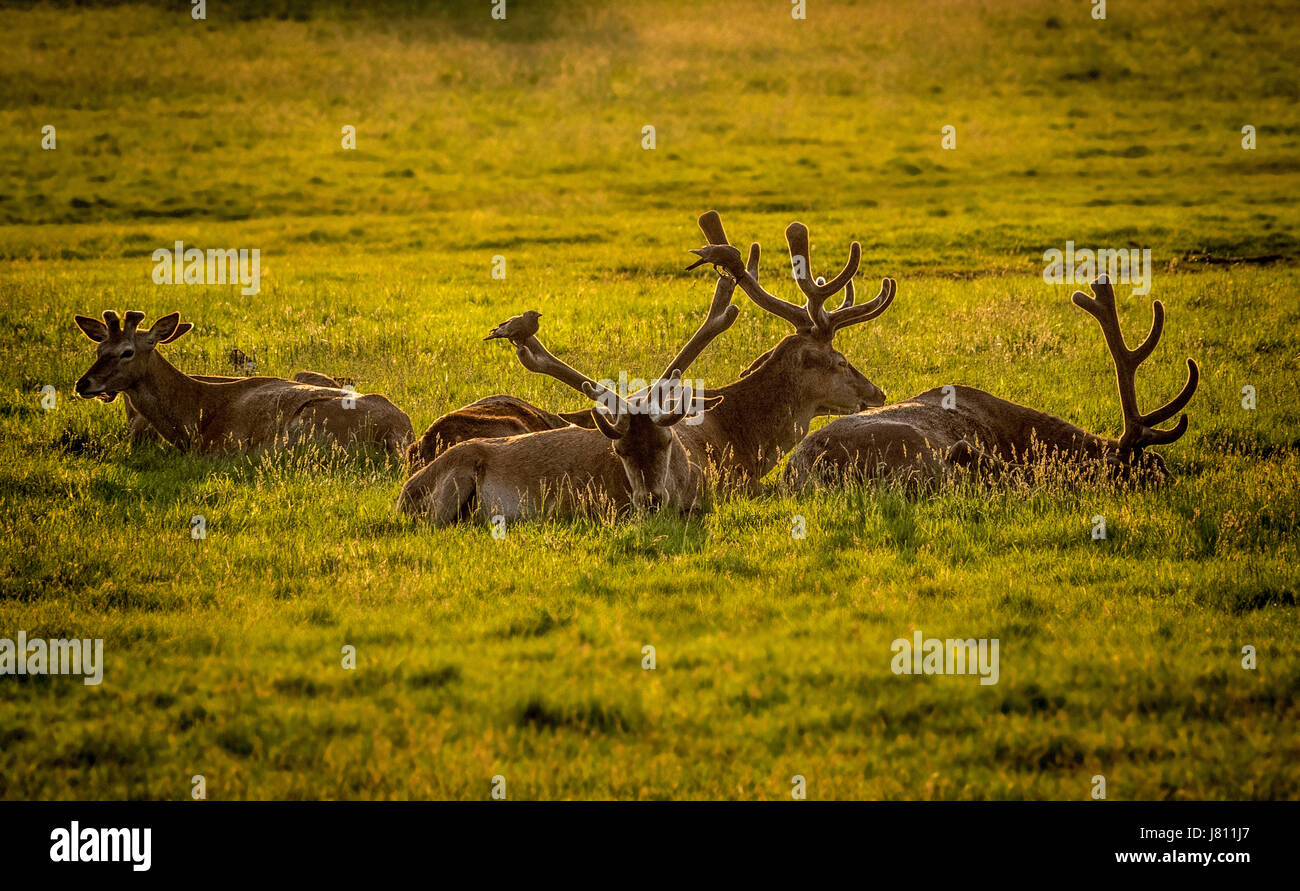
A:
(521, 657)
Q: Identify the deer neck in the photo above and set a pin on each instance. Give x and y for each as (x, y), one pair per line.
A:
(170, 400)
(760, 419)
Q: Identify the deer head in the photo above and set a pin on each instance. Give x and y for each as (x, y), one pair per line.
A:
(1127, 454)
(640, 426)
(807, 359)
(125, 353)
(642, 437)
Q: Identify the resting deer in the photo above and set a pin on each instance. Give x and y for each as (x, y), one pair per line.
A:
(139, 430)
(766, 412)
(922, 439)
(634, 455)
(242, 415)
(769, 409)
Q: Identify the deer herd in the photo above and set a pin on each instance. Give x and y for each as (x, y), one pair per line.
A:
(659, 447)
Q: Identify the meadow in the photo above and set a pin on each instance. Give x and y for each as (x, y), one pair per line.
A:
(522, 656)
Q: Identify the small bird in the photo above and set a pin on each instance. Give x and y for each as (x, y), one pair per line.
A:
(517, 328)
(722, 256)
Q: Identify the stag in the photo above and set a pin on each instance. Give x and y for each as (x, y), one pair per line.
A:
(766, 412)
(634, 455)
(243, 415)
(139, 430)
(769, 409)
(926, 437)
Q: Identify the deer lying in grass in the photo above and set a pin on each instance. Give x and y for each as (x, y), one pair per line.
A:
(921, 439)
(633, 456)
(766, 412)
(242, 415)
(139, 430)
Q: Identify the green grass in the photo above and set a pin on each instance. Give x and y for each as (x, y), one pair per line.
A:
(522, 656)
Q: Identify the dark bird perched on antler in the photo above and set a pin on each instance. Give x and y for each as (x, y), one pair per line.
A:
(517, 328)
(718, 255)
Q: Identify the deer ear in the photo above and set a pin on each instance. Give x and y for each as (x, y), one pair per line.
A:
(165, 329)
(92, 328)
(182, 329)
(605, 425)
(753, 366)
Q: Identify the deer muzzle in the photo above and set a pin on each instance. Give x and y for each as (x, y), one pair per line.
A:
(874, 398)
(87, 388)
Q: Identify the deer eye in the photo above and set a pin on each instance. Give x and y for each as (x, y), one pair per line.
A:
(127, 354)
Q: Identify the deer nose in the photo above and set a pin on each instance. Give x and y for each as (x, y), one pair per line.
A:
(84, 389)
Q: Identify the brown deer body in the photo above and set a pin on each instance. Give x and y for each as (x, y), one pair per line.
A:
(925, 437)
(763, 414)
(492, 417)
(139, 430)
(566, 469)
(244, 415)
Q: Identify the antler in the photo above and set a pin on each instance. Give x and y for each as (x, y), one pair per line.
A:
(535, 357)
(721, 312)
(726, 259)
(812, 317)
(1139, 429)
(721, 315)
(796, 236)
(848, 314)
